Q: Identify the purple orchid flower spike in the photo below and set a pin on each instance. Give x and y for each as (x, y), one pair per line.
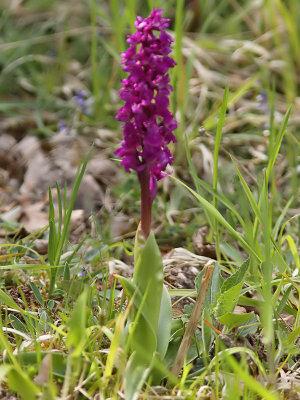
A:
(148, 124)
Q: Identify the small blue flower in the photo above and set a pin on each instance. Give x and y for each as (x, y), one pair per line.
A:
(263, 102)
(62, 125)
(83, 102)
(83, 273)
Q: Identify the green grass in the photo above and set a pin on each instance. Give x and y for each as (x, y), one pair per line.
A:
(236, 171)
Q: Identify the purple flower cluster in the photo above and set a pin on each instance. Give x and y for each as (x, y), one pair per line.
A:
(148, 124)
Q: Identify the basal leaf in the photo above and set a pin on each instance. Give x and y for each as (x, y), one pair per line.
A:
(230, 291)
(19, 382)
(58, 361)
(37, 293)
(141, 335)
(77, 321)
(17, 324)
(231, 320)
(148, 275)
(164, 323)
(173, 348)
(135, 376)
(227, 301)
(150, 317)
(132, 292)
(8, 301)
(237, 277)
(4, 369)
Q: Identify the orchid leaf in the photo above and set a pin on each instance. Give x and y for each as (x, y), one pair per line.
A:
(139, 325)
(227, 299)
(77, 323)
(148, 274)
(150, 318)
(4, 369)
(19, 382)
(232, 320)
(164, 323)
(135, 376)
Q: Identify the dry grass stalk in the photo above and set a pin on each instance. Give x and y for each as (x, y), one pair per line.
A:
(193, 322)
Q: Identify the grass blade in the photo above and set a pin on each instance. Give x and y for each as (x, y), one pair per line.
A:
(218, 216)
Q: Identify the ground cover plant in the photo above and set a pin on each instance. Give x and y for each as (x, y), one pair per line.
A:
(85, 313)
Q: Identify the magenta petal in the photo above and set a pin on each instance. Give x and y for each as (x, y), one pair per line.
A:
(148, 124)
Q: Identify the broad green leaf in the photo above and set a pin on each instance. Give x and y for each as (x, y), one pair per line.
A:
(237, 277)
(37, 293)
(230, 291)
(231, 320)
(173, 348)
(227, 300)
(4, 369)
(135, 376)
(143, 340)
(176, 325)
(19, 382)
(44, 320)
(293, 335)
(8, 301)
(283, 300)
(248, 301)
(250, 327)
(150, 316)
(17, 324)
(58, 361)
(146, 290)
(164, 323)
(142, 337)
(77, 322)
(73, 287)
(132, 292)
(148, 275)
